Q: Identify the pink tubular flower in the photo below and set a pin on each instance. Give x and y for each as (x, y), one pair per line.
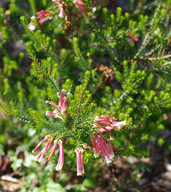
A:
(96, 148)
(80, 166)
(59, 109)
(105, 123)
(80, 6)
(39, 157)
(44, 16)
(45, 138)
(61, 10)
(101, 146)
(109, 145)
(61, 156)
(53, 150)
(104, 152)
(104, 119)
(62, 102)
(105, 129)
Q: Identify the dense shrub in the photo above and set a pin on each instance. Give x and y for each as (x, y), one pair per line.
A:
(104, 70)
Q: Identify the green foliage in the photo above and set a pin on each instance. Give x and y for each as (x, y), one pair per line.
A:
(67, 53)
(79, 57)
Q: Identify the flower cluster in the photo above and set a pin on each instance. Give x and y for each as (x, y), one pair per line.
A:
(40, 156)
(45, 15)
(102, 146)
(60, 109)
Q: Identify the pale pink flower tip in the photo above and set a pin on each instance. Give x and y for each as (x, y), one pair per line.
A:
(31, 26)
(118, 125)
(80, 166)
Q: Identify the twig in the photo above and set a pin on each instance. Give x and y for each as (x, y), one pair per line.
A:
(167, 63)
(157, 58)
(150, 58)
(99, 86)
(131, 135)
(46, 76)
(121, 97)
(146, 40)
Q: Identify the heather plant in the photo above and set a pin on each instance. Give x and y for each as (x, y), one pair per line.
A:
(98, 85)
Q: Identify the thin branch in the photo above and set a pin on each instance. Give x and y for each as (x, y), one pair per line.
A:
(158, 58)
(146, 40)
(167, 63)
(45, 75)
(122, 96)
(150, 58)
